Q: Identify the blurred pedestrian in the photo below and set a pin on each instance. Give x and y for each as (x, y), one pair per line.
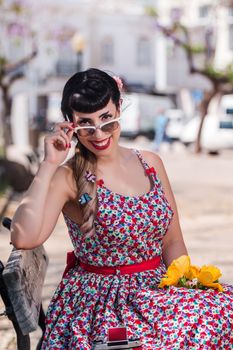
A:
(160, 125)
(123, 222)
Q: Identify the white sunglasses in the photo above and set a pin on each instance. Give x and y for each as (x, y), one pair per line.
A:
(89, 130)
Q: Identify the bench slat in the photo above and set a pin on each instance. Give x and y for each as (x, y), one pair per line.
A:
(24, 276)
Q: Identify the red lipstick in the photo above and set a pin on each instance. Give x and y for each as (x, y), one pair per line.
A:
(99, 144)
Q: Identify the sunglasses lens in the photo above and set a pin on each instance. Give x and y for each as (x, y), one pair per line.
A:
(106, 127)
(110, 126)
(85, 132)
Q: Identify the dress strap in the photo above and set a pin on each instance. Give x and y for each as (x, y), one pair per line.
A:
(144, 163)
(150, 171)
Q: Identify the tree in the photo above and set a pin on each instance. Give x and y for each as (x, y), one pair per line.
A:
(221, 79)
(11, 14)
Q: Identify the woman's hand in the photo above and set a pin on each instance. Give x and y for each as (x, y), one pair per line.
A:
(57, 144)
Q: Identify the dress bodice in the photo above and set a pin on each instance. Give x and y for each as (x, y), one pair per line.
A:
(128, 229)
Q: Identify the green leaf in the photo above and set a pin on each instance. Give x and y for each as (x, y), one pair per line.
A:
(197, 49)
(151, 11)
(182, 281)
(213, 73)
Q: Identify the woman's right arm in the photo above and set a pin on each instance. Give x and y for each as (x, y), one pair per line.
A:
(52, 187)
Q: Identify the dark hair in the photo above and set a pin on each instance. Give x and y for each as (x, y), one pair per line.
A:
(88, 91)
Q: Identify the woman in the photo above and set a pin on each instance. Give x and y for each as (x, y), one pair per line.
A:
(123, 223)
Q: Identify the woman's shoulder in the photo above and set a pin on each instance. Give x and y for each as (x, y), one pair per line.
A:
(65, 179)
(152, 159)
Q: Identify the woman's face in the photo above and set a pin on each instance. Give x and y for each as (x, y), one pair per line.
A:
(100, 141)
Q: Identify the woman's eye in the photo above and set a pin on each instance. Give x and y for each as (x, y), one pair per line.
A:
(84, 123)
(106, 117)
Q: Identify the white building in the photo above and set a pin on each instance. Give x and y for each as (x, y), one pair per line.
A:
(121, 38)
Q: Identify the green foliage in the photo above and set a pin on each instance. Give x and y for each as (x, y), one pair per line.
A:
(229, 72)
(16, 7)
(226, 74)
(151, 11)
(177, 26)
(212, 72)
(195, 49)
(1, 152)
(3, 61)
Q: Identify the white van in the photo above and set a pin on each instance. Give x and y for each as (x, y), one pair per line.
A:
(130, 116)
(217, 131)
(139, 111)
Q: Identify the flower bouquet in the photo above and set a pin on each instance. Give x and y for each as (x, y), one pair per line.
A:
(182, 274)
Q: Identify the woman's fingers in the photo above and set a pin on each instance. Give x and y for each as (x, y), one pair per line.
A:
(65, 136)
(63, 126)
(62, 134)
(57, 143)
(60, 142)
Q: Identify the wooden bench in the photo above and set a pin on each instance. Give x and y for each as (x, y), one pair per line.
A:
(21, 283)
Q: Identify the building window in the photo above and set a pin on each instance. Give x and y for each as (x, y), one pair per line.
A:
(204, 11)
(143, 52)
(107, 52)
(231, 37)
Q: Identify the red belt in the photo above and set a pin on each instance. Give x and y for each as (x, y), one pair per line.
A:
(113, 270)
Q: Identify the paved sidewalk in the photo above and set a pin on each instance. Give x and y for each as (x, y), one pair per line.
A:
(203, 187)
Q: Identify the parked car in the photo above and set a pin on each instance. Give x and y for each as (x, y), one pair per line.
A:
(217, 131)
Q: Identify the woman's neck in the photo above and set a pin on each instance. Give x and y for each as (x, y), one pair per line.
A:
(119, 158)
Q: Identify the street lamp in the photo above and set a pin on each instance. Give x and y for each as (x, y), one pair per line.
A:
(78, 45)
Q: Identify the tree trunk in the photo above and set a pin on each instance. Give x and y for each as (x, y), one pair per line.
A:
(208, 95)
(6, 113)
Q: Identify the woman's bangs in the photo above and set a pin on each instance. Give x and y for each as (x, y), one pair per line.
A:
(79, 103)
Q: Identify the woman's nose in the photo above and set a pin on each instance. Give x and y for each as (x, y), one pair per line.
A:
(98, 132)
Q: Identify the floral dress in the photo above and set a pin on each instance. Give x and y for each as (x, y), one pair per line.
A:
(129, 230)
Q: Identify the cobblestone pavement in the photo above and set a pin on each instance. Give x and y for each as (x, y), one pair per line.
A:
(203, 187)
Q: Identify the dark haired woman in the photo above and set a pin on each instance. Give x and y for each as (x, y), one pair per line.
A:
(123, 223)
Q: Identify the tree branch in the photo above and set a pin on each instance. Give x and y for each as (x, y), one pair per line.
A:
(15, 77)
(209, 72)
(11, 67)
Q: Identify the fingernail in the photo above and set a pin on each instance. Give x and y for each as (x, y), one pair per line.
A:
(73, 125)
(69, 145)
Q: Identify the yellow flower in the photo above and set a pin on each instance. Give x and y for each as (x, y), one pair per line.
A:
(182, 273)
(182, 264)
(193, 272)
(209, 276)
(171, 278)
